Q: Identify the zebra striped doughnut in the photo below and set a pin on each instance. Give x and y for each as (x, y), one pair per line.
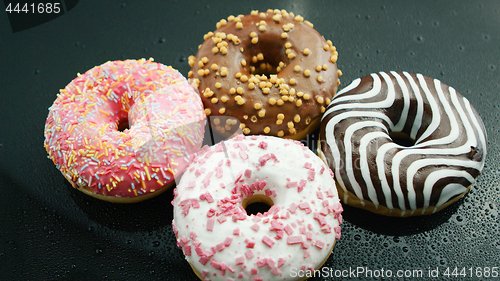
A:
(374, 172)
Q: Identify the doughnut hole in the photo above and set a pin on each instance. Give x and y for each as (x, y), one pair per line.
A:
(274, 53)
(123, 125)
(256, 204)
(402, 138)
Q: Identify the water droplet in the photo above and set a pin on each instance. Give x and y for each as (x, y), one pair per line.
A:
(155, 244)
(162, 40)
(419, 38)
(357, 237)
(37, 71)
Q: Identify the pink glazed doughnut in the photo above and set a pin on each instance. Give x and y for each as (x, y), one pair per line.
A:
(222, 242)
(123, 131)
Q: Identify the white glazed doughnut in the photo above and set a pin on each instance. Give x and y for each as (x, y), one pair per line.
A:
(222, 242)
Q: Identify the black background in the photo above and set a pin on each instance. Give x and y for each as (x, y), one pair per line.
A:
(49, 230)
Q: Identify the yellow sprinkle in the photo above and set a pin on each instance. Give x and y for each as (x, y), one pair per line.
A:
(147, 173)
(103, 112)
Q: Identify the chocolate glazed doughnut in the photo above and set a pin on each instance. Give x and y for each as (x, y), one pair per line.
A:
(270, 70)
(444, 152)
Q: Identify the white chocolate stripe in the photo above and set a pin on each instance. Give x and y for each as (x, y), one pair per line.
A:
(330, 130)
(386, 103)
(479, 129)
(348, 160)
(436, 115)
(406, 102)
(365, 172)
(417, 122)
(351, 86)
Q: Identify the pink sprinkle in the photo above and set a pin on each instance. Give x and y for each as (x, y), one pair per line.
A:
(187, 250)
(325, 203)
(276, 271)
(307, 165)
(249, 254)
(203, 260)
(221, 219)
(228, 241)
(337, 232)
(261, 262)
(309, 235)
(302, 230)
(290, 240)
(311, 174)
(219, 247)
(307, 253)
(218, 172)
(256, 219)
(329, 193)
(192, 235)
(182, 241)
(302, 183)
(210, 213)
(239, 260)
(270, 262)
(236, 231)
(319, 244)
(248, 173)
(293, 207)
(262, 184)
(281, 261)
(291, 184)
(279, 234)
(250, 244)
(209, 197)
(264, 158)
(210, 224)
(253, 271)
(243, 155)
(204, 274)
(304, 205)
(268, 241)
(263, 145)
(243, 146)
(288, 229)
(276, 225)
(337, 207)
(319, 194)
(268, 192)
(206, 180)
(258, 279)
(323, 211)
(255, 227)
(322, 170)
(191, 184)
(199, 251)
(195, 203)
(306, 245)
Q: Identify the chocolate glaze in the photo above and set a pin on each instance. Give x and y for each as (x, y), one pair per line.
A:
(448, 154)
(304, 101)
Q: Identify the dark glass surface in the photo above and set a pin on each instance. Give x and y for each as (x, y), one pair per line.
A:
(48, 230)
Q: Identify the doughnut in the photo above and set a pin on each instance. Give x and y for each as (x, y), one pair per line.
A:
(124, 130)
(271, 71)
(402, 144)
(221, 241)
